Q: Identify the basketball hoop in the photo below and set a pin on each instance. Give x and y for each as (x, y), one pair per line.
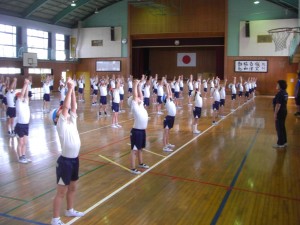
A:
(280, 36)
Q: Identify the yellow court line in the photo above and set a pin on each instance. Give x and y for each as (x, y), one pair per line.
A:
(153, 153)
(117, 164)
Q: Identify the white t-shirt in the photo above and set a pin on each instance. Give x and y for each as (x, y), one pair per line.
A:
(140, 115)
(80, 83)
(129, 83)
(222, 93)
(103, 90)
(23, 111)
(198, 100)
(190, 85)
(176, 87)
(68, 135)
(116, 96)
(147, 91)
(63, 91)
(121, 89)
(46, 88)
(160, 90)
(216, 95)
(10, 97)
(233, 89)
(171, 108)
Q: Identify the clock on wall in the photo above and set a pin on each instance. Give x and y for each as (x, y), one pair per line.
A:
(124, 41)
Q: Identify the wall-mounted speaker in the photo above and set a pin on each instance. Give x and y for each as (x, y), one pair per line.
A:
(112, 34)
(247, 29)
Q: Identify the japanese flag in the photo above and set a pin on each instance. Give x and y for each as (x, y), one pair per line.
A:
(186, 59)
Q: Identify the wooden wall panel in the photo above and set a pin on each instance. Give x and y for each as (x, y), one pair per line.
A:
(190, 16)
(164, 61)
(89, 65)
(278, 69)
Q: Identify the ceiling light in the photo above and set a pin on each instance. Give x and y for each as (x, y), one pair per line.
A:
(256, 2)
(73, 3)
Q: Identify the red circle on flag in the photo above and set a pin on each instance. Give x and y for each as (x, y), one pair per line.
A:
(186, 59)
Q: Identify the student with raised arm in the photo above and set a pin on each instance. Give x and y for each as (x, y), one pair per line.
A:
(23, 118)
(217, 98)
(138, 132)
(46, 90)
(80, 88)
(11, 107)
(116, 105)
(169, 119)
(190, 84)
(197, 109)
(103, 96)
(222, 97)
(67, 167)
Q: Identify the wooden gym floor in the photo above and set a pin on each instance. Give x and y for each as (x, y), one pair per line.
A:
(229, 174)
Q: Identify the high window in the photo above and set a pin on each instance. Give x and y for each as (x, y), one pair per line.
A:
(37, 41)
(7, 41)
(60, 53)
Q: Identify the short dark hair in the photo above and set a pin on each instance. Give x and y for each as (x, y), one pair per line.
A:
(282, 84)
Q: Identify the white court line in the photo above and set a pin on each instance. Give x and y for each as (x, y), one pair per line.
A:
(147, 171)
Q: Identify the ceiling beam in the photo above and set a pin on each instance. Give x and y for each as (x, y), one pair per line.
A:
(33, 7)
(67, 10)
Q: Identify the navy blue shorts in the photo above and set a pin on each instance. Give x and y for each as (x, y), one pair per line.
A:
(216, 105)
(137, 139)
(247, 94)
(205, 89)
(169, 122)
(233, 96)
(103, 100)
(181, 88)
(159, 99)
(11, 112)
(80, 90)
(4, 100)
(121, 97)
(95, 92)
(115, 107)
(61, 103)
(22, 130)
(240, 93)
(51, 88)
(1, 96)
(173, 90)
(222, 102)
(190, 93)
(176, 94)
(197, 112)
(130, 90)
(29, 94)
(67, 170)
(46, 97)
(155, 91)
(146, 101)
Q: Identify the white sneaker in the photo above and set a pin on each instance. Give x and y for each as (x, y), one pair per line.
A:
(114, 126)
(214, 123)
(56, 221)
(170, 145)
(143, 165)
(196, 132)
(118, 125)
(73, 213)
(160, 113)
(135, 171)
(166, 149)
(22, 159)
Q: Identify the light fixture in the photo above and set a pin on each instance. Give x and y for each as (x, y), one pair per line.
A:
(73, 4)
(256, 2)
(96, 11)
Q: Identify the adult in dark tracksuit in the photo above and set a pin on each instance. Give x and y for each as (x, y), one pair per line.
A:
(280, 113)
